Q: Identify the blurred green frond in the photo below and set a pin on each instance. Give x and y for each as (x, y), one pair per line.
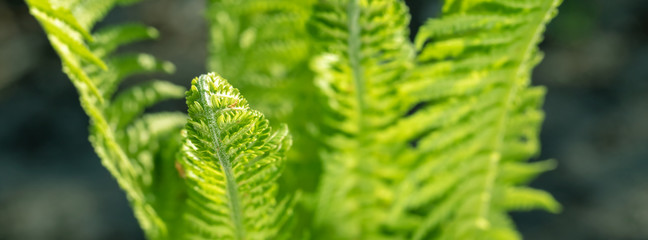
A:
(428, 145)
(138, 149)
(365, 54)
(262, 46)
(475, 122)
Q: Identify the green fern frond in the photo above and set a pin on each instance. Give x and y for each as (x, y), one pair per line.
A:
(232, 160)
(138, 151)
(263, 47)
(473, 116)
(476, 120)
(367, 52)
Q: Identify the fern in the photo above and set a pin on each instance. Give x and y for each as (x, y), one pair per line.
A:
(366, 56)
(232, 160)
(263, 47)
(135, 149)
(486, 120)
(417, 140)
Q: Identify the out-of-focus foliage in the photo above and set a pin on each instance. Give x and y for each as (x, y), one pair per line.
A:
(417, 140)
(138, 149)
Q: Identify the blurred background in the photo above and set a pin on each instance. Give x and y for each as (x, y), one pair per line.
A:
(52, 185)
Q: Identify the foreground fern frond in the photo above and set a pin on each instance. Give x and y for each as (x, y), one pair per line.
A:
(138, 149)
(232, 160)
(263, 47)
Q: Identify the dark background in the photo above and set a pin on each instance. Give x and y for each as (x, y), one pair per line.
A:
(52, 185)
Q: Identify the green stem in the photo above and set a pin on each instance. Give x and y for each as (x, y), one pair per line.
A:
(224, 160)
(501, 127)
(354, 45)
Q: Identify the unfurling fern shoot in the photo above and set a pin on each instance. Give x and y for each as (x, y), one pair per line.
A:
(232, 160)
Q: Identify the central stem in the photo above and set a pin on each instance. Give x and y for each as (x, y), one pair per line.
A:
(224, 161)
(354, 45)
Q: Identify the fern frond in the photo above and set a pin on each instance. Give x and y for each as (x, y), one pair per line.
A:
(263, 47)
(366, 52)
(475, 121)
(138, 151)
(232, 160)
(472, 114)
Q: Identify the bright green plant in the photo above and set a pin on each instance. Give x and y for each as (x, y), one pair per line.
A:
(416, 140)
(231, 162)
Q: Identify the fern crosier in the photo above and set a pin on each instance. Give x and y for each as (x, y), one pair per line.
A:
(231, 159)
